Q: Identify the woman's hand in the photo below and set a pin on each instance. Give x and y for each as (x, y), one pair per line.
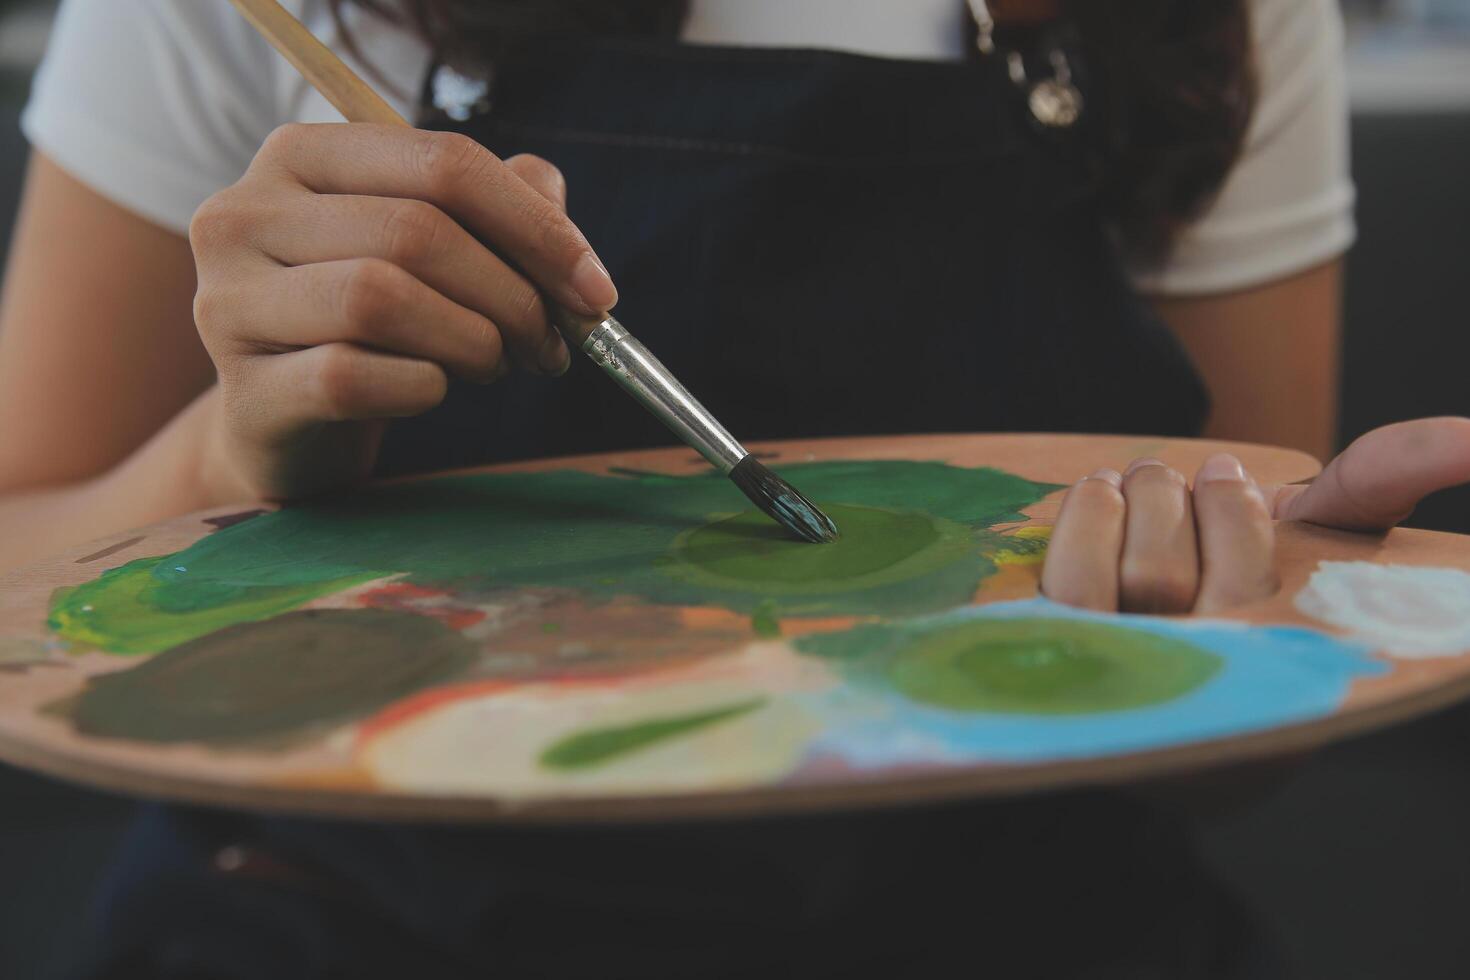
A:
(1144, 541)
(352, 270)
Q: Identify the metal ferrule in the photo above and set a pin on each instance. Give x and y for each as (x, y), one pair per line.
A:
(634, 367)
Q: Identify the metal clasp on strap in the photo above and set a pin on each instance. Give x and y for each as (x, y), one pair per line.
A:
(1054, 102)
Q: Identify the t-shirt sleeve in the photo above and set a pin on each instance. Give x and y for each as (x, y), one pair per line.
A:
(1287, 205)
(155, 104)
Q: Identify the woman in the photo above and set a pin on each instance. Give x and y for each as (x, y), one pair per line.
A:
(829, 218)
(319, 259)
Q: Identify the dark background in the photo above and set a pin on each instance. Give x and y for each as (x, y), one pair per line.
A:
(1360, 863)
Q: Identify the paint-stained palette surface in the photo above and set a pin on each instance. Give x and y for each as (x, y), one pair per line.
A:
(619, 636)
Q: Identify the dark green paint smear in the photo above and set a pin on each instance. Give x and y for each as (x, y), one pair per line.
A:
(604, 535)
(271, 680)
(1024, 666)
(584, 750)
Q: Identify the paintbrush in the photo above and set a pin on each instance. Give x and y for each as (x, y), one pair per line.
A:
(601, 338)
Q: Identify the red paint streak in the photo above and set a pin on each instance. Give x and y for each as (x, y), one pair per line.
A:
(405, 590)
(401, 711)
(407, 597)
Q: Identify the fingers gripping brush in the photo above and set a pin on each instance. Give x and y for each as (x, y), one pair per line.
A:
(606, 341)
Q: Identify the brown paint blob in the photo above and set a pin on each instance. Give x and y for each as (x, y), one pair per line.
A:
(274, 679)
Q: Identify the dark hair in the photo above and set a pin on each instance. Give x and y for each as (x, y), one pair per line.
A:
(1174, 78)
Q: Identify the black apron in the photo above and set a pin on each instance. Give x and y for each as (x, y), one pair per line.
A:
(817, 244)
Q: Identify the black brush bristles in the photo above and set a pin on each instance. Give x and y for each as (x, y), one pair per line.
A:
(782, 502)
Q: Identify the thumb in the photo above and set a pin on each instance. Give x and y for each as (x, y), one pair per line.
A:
(1378, 480)
(542, 175)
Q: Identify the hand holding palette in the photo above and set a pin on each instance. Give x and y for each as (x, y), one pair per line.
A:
(621, 636)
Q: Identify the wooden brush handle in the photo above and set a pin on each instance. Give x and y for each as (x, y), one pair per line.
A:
(358, 102)
(341, 86)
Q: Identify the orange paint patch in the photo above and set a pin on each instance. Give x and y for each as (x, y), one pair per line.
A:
(713, 619)
(1011, 581)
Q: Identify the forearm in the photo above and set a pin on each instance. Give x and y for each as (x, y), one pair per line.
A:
(1269, 356)
(172, 473)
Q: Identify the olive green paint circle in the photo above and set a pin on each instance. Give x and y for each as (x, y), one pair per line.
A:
(274, 678)
(748, 552)
(1048, 666)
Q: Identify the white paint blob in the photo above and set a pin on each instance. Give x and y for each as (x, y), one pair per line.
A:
(1404, 611)
(494, 742)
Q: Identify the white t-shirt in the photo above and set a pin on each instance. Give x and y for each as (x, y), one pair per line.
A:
(157, 104)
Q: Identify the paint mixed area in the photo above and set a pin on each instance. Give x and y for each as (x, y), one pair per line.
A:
(565, 633)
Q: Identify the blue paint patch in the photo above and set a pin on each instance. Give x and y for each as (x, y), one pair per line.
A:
(1271, 676)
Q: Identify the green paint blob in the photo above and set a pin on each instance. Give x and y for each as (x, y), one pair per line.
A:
(748, 551)
(583, 750)
(765, 620)
(275, 679)
(1023, 666)
(604, 535)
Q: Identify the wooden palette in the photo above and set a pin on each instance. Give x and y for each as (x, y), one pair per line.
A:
(597, 639)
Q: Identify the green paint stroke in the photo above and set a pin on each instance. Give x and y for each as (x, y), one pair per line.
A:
(1022, 666)
(914, 541)
(272, 680)
(594, 747)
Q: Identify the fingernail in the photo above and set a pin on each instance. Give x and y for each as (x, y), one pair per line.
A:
(1139, 464)
(1221, 466)
(1108, 475)
(554, 357)
(593, 285)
